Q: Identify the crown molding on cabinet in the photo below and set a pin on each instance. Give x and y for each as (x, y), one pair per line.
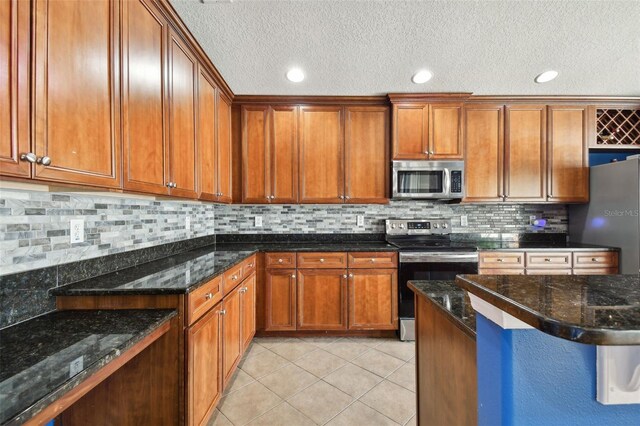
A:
(429, 97)
(600, 101)
(310, 100)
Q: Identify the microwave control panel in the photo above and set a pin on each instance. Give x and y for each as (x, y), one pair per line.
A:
(456, 181)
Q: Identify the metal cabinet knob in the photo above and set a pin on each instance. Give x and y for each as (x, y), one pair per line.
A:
(347, 197)
(168, 185)
(29, 156)
(234, 277)
(223, 312)
(430, 152)
(547, 260)
(250, 265)
(246, 289)
(344, 276)
(175, 185)
(280, 260)
(373, 260)
(45, 161)
(499, 260)
(426, 152)
(208, 296)
(293, 276)
(321, 260)
(341, 197)
(350, 275)
(593, 259)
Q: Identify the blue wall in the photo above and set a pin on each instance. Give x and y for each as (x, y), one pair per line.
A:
(526, 377)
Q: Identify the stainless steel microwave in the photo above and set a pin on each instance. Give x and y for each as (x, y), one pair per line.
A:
(428, 180)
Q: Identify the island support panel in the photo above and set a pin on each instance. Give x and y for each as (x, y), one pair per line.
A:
(527, 377)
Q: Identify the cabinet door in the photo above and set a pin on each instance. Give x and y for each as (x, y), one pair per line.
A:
(77, 103)
(183, 69)
(207, 176)
(14, 87)
(484, 163)
(366, 155)
(283, 148)
(373, 299)
(203, 371)
(445, 132)
(410, 132)
(570, 129)
(321, 155)
(144, 96)
(248, 308)
(525, 153)
(322, 299)
(224, 148)
(280, 310)
(255, 154)
(231, 338)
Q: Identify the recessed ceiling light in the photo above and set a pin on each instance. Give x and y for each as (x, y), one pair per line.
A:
(295, 74)
(421, 76)
(546, 76)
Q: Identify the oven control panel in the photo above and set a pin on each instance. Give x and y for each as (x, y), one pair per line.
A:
(418, 226)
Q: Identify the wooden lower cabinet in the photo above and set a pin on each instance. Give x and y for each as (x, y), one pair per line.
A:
(322, 299)
(280, 295)
(231, 337)
(248, 310)
(373, 299)
(203, 369)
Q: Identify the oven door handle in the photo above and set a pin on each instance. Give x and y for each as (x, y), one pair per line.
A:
(438, 257)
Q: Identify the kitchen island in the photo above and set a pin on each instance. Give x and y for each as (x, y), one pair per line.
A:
(556, 349)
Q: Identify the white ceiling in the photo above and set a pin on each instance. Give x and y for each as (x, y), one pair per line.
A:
(349, 47)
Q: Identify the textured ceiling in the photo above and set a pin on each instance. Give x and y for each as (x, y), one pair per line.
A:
(371, 47)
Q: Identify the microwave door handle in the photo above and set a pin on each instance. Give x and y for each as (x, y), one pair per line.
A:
(446, 186)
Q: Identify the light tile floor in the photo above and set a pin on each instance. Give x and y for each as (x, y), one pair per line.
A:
(322, 380)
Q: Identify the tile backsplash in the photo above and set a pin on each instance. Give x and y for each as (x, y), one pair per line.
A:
(298, 219)
(34, 226)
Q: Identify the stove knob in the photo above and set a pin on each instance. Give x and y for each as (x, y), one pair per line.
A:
(435, 226)
(401, 226)
(445, 226)
(393, 226)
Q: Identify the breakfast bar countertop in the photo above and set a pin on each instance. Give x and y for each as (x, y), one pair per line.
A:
(590, 309)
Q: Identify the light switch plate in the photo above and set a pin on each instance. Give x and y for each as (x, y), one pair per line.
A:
(76, 230)
(359, 220)
(532, 219)
(258, 221)
(76, 366)
(187, 223)
(464, 222)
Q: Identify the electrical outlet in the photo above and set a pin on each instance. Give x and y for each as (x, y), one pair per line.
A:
(464, 221)
(187, 223)
(76, 230)
(76, 366)
(187, 273)
(258, 221)
(359, 220)
(532, 219)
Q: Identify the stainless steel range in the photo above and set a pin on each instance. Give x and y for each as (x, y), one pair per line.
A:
(426, 253)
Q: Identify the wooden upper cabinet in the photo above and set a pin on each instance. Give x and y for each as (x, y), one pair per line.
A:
(14, 87)
(366, 155)
(322, 299)
(203, 373)
(445, 131)
(144, 97)
(410, 132)
(525, 153)
(484, 140)
(570, 129)
(283, 148)
(224, 149)
(321, 155)
(183, 74)
(207, 176)
(255, 158)
(77, 102)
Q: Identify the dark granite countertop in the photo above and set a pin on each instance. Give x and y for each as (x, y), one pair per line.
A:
(309, 246)
(451, 299)
(591, 309)
(35, 355)
(177, 274)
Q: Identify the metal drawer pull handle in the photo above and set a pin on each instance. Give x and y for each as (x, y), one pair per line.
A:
(547, 260)
(499, 260)
(208, 296)
(593, 259)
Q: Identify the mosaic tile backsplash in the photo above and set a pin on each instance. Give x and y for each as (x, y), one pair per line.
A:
(299, 219)
(34, 226)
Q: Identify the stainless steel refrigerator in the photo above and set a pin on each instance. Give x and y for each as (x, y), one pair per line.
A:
(611, 218)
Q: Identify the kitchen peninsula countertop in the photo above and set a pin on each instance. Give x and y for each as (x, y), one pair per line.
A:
(452, 299)
(35, 355)
(590, 309)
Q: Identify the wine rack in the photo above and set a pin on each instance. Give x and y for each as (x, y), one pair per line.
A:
(618, 128)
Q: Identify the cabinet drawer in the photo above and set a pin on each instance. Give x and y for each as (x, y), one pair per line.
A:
(497, 271)
(555, 260)
(371, 260)
(595, 259)
(203, 298)
(541, 271)
(595, 271)
(280, 260)
(249, 266)
(232, 278)
(322, 260)
(501, 260)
